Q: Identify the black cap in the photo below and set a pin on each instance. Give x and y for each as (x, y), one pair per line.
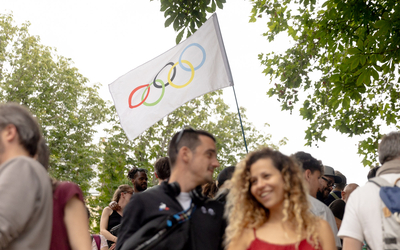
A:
(225, 174)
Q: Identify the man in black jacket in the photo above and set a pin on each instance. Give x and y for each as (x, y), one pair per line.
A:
(193, 157)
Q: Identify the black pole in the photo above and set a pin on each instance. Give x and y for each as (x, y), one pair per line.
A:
(240, 118)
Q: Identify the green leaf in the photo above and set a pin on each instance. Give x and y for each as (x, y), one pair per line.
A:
(355, 62)
(179, 37)
(353, 51)
(169, 21)
(346, 102)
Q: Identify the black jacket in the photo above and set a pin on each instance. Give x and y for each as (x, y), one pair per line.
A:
(206, 226)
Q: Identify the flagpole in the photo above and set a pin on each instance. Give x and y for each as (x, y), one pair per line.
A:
(240, 118)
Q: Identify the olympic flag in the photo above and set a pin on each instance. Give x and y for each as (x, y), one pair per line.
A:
(192, 68)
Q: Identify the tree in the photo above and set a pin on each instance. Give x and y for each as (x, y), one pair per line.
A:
(67, 109)
(208, 112)
(354, 47)
(341, 68)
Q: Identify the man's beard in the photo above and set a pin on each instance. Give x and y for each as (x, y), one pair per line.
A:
(322, 196)
(140, 188)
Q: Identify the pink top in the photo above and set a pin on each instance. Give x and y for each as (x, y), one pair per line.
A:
(63, 193)
(258, 244)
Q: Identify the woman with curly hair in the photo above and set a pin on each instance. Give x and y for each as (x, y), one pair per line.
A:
(111, 216)
(267, 207)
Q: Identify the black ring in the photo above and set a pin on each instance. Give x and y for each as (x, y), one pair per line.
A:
(166, 82)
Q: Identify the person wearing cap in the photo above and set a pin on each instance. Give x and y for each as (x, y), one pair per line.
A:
(222, 184)
(336, 193)
(327, 181)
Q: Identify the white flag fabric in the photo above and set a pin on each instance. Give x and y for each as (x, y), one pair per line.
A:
(192, 68)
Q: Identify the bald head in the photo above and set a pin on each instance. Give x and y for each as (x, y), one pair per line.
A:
(348, 190)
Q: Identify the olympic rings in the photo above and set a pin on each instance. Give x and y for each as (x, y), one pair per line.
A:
(159, 99)
(186, 84)
(170, 79)
(202, 62)
(133, 92)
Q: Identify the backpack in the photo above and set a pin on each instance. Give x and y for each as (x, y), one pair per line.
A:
(390, 197)
(97, 239)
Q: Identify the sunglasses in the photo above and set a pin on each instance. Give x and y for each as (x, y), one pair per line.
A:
(330, 183)
(178, 139)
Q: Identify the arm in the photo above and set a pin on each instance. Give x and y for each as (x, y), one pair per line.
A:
(351, 244)
(107, 211)
(76, 222)
(326, 237)
(19, 189)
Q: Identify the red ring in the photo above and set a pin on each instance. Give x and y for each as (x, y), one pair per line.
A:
(133, 92)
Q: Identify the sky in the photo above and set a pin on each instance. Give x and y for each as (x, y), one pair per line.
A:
(106, 39)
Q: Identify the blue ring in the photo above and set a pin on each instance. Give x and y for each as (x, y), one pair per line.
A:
(198, 66)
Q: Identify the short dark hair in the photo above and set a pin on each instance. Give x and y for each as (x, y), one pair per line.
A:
(188, 138)
(162, 168)
(27, 126)
(225, 174)
(134, 171)
(308, 162)
(43, 153)
(372, 172)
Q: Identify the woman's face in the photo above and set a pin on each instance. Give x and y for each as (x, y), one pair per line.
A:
(266, 184)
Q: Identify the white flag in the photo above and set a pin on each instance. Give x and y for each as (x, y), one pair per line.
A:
(192, 68)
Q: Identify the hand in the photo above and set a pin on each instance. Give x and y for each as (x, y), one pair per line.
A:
(114, 205)
(113, 246)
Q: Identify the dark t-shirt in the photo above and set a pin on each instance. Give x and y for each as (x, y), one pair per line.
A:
(63, 193)
(113, 220)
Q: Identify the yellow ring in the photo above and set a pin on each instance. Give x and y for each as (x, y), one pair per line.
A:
(184, 85)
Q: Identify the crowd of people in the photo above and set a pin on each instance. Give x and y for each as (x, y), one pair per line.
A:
(267, 201)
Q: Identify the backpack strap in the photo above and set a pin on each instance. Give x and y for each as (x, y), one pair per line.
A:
(97, 239)
(335, 196)
(380, 182)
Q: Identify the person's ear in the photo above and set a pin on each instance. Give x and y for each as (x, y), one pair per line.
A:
(186, 154)
(307, 174)
(10, 132)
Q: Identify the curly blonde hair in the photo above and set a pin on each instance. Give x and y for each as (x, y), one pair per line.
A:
(244, 211)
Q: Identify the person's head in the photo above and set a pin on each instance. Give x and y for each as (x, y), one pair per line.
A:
(340, 186)
(225, 175)
(327, 181)
(20, 132)
(162, 169)
(43, 153)
(372, 172)
(389, 148)
(268, 182)
(122, 195)
(348, 190)
(193, 154)
(138, 177)
(312, 171)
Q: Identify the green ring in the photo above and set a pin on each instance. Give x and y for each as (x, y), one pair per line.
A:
(159, 99)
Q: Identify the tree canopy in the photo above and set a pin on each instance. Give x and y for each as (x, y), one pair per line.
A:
(67, 108)
(341, 70)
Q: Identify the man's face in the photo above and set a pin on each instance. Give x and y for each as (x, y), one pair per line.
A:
(204, 160)
(313, 181)
(140, 182)
(326, 184)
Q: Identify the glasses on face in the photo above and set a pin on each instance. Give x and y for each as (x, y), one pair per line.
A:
(330, 183)
(178, 139)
